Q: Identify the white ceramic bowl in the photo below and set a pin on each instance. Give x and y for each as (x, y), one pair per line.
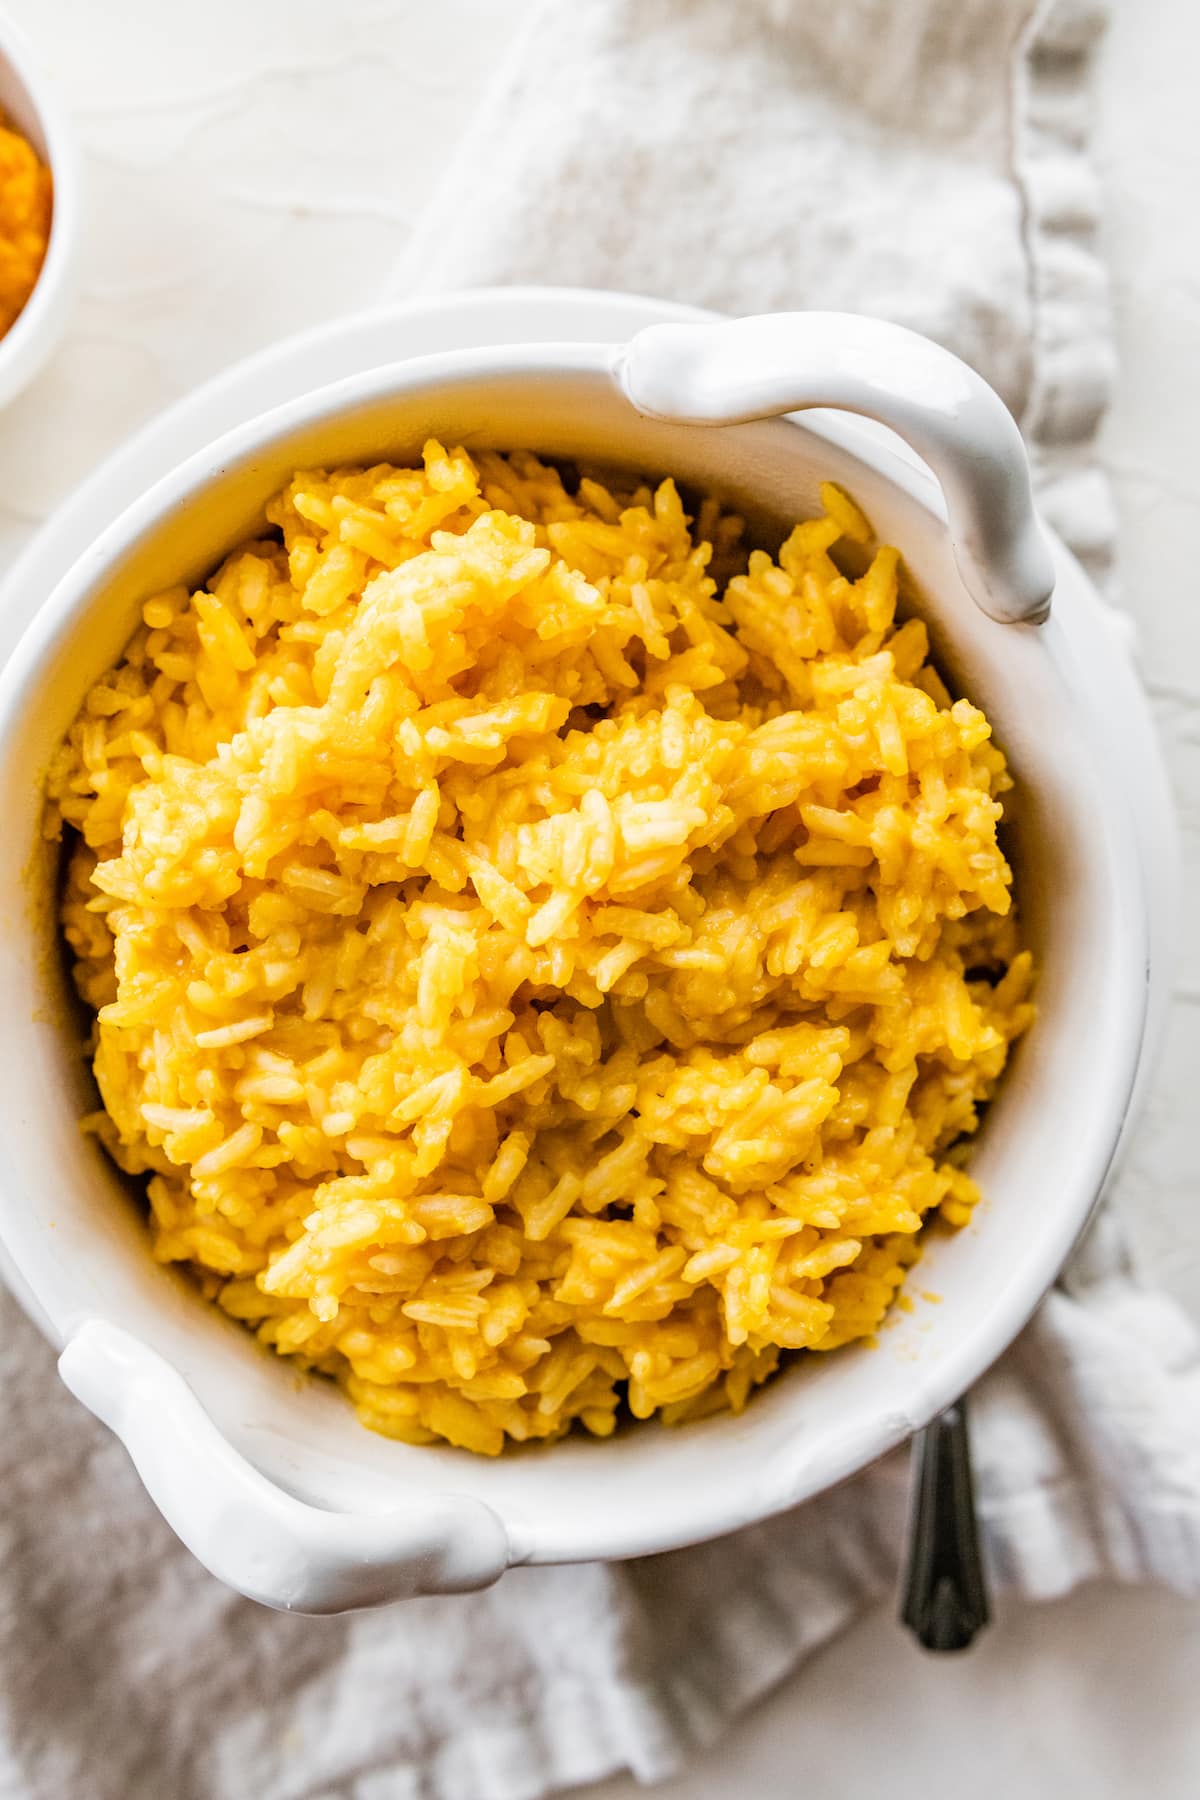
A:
(268, 1476)
(28, 98)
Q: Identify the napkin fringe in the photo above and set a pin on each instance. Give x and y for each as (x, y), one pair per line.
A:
(1073, 363)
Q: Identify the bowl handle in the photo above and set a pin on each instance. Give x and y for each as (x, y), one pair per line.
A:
(251, 1534)
(737, 369)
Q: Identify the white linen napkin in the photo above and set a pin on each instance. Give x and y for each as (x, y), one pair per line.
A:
(922, 161)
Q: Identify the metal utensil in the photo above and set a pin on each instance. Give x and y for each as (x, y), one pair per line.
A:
(943, 1596)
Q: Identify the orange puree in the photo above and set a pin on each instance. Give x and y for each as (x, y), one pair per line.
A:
(26, 198)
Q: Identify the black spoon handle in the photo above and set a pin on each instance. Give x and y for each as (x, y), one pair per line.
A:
(944, 1599)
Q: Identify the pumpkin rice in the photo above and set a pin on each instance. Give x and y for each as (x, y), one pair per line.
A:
(530, 974)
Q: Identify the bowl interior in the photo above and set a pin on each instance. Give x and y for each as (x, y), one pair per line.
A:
(18, 104)
(78, 1240)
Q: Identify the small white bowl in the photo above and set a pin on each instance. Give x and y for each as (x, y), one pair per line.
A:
(30, 101)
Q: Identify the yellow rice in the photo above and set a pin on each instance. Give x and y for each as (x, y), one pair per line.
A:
(530, 975)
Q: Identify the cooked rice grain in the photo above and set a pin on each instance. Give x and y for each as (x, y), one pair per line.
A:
(526, 973)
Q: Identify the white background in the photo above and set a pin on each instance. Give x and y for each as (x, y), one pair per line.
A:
(253, 167)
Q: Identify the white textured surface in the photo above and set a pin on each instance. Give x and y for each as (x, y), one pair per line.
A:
(1149, 156)
(1094, 1697)
(242, 162)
